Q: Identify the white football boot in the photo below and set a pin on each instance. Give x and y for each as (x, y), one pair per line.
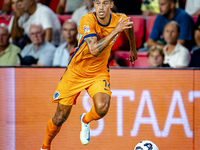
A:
(85, 131)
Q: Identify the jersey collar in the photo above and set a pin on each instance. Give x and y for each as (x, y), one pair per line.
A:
(103, 24)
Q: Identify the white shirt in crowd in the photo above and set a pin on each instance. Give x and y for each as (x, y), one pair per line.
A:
(80, 12)
(192, 6)
(179, 57)
(61, 56)
(44, 53)
(44, 16)
(72, 5)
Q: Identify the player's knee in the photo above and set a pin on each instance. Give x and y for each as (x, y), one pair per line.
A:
(102, 109)
(58, 120)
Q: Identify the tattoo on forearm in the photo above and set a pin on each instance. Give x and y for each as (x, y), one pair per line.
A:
(89, 40)
(101, 45)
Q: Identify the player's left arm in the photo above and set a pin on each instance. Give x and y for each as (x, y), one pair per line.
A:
(131, 36)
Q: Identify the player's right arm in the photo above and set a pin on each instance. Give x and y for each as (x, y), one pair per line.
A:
(97, 46)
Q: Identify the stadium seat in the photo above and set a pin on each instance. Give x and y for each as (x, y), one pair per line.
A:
(1, 4)
(121, 43)
(149, 25)
(195, 19)
(122, 56)
(5, 19)
(62, 18)
(53, 5)
(138, 23)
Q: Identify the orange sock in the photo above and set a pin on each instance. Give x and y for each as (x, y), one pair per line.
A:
(91, 115)
(51, 132)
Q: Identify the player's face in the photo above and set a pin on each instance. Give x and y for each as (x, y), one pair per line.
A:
(37, 35)
(103, 8)
(4, 36)
(69, 32)
(164, 6)
(155, 59)
(171, 33)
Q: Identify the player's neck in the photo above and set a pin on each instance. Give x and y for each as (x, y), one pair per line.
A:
(104, 21)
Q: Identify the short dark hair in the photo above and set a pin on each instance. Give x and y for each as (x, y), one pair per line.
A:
(173, 1)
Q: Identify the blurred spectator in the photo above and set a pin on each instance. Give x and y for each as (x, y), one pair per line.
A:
(195, 59)
(35, 13)
(155, 57)
(88, 6)
(168, 12)
(64, 51)
(7, 6)
(8, 52)
(128, 7)
(40, 52)
(150, 8)
(176, 55)
(22, 39)
(192, 7)
(197, 35)
(68, 6)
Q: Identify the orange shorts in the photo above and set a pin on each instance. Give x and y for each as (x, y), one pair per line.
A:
(71, 85)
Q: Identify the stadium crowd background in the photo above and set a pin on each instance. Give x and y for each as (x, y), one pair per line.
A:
(142, 12)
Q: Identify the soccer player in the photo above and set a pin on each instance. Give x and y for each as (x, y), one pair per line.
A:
(88, 68)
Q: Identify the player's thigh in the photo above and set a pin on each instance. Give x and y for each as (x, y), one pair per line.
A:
(99, 86)
(101, 93)
(71, 100)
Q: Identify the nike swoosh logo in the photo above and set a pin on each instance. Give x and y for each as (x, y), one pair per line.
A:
(88, 137)
(106, 89)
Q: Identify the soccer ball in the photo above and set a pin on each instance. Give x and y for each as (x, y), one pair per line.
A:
(146, 145)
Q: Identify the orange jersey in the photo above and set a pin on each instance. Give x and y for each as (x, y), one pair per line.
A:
(83, 63)
(86, 71)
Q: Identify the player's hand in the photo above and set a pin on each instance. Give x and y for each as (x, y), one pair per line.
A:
(133, 56)
(122, 25)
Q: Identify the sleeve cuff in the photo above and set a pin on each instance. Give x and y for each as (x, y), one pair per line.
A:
(89, 35)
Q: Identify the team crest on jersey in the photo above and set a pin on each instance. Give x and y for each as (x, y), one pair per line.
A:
(86, 29)
(56, 95)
